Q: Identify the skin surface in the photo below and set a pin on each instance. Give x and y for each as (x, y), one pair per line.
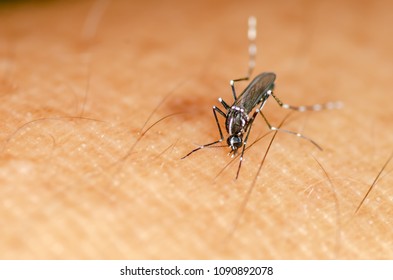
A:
(79, 178)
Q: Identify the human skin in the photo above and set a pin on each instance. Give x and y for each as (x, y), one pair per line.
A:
(82, 176)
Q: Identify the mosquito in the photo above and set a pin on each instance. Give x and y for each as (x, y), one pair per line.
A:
(239, 117)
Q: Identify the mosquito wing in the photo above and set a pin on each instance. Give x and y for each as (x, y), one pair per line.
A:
(256, 91)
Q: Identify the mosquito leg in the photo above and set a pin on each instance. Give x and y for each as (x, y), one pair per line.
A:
(226, 106)
(215, 110)
(250, 122)
(232, 83)
(288, 131)
(252, 51)
(315, 107)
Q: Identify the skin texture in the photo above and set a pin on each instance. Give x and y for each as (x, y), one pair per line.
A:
(79, 178)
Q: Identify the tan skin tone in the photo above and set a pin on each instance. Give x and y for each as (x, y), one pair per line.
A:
(80, 79)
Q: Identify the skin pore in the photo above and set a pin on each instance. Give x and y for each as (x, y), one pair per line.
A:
(101, 99)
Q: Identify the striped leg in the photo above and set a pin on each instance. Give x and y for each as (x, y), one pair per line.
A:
(252, 51)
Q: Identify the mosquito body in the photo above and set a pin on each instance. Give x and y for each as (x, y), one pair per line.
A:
(239, 117)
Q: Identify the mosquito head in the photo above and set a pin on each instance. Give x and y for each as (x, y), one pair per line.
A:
(235, 142)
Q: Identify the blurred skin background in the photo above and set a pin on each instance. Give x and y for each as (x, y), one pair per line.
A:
(100, 99)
